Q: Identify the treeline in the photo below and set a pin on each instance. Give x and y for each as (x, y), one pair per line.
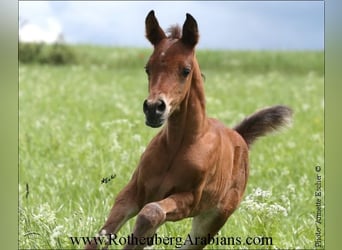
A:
(43, 53)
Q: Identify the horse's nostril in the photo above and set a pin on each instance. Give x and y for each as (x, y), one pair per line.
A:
(161, 106)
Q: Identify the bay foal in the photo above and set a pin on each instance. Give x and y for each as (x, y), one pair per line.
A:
(195, 166)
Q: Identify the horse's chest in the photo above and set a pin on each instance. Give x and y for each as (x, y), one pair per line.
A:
(160, 179)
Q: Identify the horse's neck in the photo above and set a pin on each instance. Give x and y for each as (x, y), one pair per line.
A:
(189, 122)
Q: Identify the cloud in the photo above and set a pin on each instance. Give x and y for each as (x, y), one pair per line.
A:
(34, 33)
(38, 23)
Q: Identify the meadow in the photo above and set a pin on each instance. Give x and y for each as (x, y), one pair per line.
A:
(82, 131)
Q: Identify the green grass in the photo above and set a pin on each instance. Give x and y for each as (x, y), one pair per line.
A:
(84, 122)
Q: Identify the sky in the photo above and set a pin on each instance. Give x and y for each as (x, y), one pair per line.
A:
(241, 25)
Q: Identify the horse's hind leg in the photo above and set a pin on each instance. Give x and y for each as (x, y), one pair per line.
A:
(205, 225)
(210, 222)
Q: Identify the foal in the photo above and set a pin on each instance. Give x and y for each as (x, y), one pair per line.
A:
(195, 166)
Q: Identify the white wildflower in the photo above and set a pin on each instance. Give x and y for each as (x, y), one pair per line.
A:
(45, 213)
(136, 138)
(125, 156)
(258, 192)
(316, 137)
(260, 201)
(57, 231)
(60, 165)
(274, 209)
(38, 124)
(115, 143)
(88, 125)
(304, 179)
(285, 200)
(305, 107)
(291, 144)
(291, 188)
(285, 172)
(141, 149)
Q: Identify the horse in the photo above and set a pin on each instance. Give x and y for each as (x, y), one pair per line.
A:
(195, 166)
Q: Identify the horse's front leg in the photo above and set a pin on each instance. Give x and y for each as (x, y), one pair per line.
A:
(124, 208)
(154, 214)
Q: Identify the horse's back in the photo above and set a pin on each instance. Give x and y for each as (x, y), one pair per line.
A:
(227, 134)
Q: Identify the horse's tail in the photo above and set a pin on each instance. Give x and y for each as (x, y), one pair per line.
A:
(263, 122)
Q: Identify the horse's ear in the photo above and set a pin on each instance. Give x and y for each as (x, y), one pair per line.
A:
(190, 31)
(153, 31)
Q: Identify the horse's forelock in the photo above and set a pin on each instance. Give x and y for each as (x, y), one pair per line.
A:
(174, 32)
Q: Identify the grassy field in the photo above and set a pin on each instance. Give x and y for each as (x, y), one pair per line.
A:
(84, 122)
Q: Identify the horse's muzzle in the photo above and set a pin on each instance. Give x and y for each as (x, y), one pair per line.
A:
(154, 112)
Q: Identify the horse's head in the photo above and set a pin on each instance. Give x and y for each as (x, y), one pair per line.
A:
(170, 68)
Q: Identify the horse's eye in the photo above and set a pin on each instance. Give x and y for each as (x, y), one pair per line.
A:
(186, 72)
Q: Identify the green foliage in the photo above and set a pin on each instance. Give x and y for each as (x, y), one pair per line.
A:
(55, 54)
(83, 122)
(29, 52)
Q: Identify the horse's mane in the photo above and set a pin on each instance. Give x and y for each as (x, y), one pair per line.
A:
(174, 32)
